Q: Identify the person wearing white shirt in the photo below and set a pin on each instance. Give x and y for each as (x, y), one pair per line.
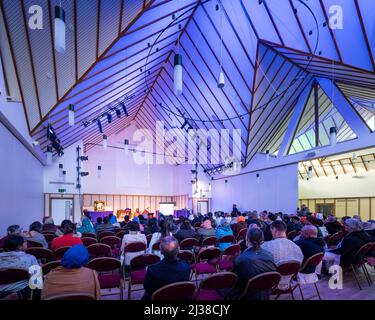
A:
(134, 236)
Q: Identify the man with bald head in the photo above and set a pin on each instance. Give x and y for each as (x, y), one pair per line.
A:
(167, 271)
(310, 244)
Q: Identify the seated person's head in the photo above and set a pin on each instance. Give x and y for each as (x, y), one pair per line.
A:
(134, 226)
(278, 229)
(271, 217)
(48, 220)
(209, 214)
(126, 218)
(76, 257)
(252, 215)
(169, 247)
(254, 237)
(36, 226)
(14, 230)
(294, 219)
(67, 227)
(352, 225)
(185, 225)
(15, 243)
(105, 220)
(309, 231)
(99, 220)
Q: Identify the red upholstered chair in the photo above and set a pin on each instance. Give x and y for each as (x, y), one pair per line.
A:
(156, 246)
(188, 244)
(221, 281)
(109, 273)
(138, 269)
(291, 235)
(134, 247)
(72, 296)
(207, 261)
(335, 238)
(187, 256)
(261, 282)
(41, 254)
(114, 242)
(47, 267)
(120, 233)
(88, 241)
(49, 237)
(361, 263)
(103, 234)
(88, 235)
(229, 255)
(149, 237)
(59, 253)
(241, 234)
(176, 291)
(227, 239)
(210, 241)
(12, 275)
(311, 262)
(287, 269)
(34, 244)
(97, 250)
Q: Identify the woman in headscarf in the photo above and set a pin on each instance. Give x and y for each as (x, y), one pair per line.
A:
(72, 276)
(86, 226)
(49, 224)
(224, 230)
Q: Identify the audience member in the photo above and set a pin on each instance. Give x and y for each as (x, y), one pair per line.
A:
(67, 239)
(310, 244)
(164, 231)
(99, 221)
(270, 218)
(134, 236)
(332, 225)
(72, 276)
(186, 231)
(346, 251)
(281, 248)
(124, 224)
(237, 227)
(15, 257)
(49, 224)
(206, 230)
(35, 234)
(13, 230)
(86, 226)
(224, 230)
(167, 271)
(252, 262)
(252, 217)
(105, 226)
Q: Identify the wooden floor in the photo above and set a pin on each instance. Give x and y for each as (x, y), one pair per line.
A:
(350, 290)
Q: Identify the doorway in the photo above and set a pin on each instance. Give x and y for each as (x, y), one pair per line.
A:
(61, 209)
(202, 207)
(325, 208)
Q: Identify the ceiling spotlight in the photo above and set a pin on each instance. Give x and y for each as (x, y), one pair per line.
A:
(71, 115)
(49, 155)
(59, 29)
(126, 146)
(84, 158)
(105, 142)
(109, 117)
(177, 74)
(99, 126)
(124, 109)
(333, 136)
(84, 174)
(221, 80)
(310, 174)
(118, 113)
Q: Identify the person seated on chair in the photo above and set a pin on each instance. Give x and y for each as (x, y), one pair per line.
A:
(13, 230)
(134, 235)
(67, 239)
(252, 262)
(281, 248)
(49, 224)
(241, 224)
(125, 224)
(72, 276)
(270, 218)
(186, 231)
(224, 230)
(310, 244)
(86, 226)
(14, 256)
(105, 226)
(294, 224)
(167, 271)
(165, 228)
(346, 251)
(332, 225)
(205, 231)
(35, 234)
(99, 221)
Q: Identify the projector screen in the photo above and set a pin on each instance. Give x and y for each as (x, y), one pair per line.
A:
(166, 208)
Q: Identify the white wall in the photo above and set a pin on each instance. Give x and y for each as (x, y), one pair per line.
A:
(21, 187)
(277, 190)
(345, 186)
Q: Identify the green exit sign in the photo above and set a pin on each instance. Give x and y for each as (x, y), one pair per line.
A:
(62, 190)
